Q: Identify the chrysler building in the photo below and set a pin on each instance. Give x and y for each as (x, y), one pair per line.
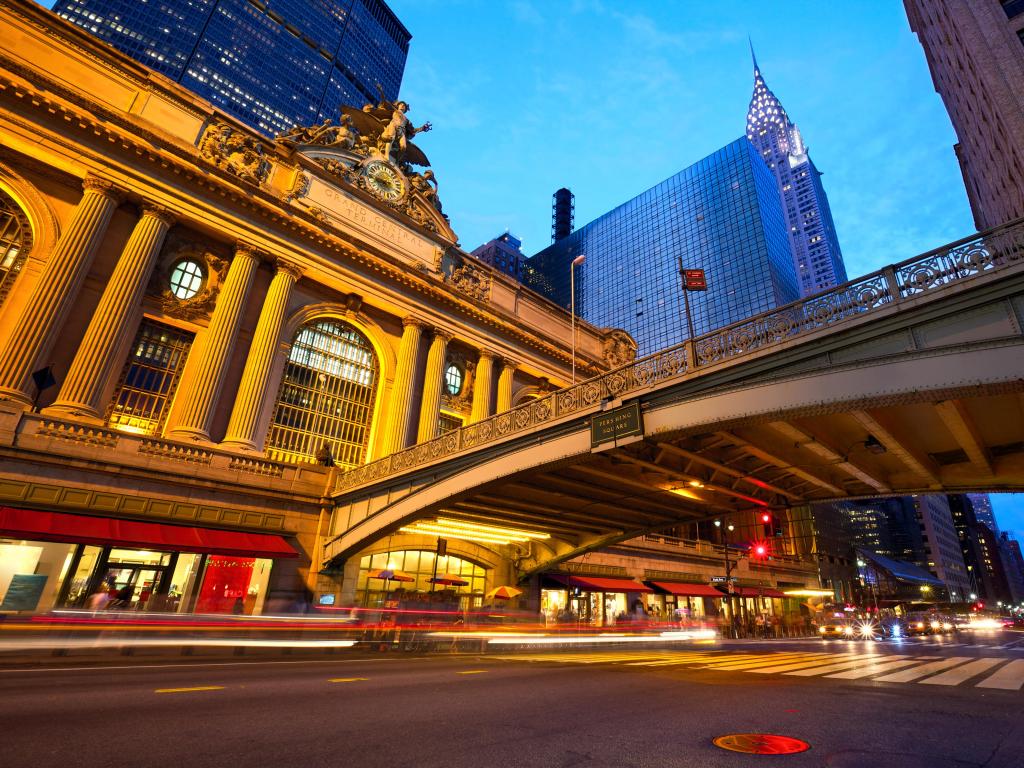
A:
(812, 234)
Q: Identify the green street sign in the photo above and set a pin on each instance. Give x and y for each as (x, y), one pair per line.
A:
(616, 424)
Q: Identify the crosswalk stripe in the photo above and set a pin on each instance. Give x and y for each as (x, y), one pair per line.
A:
(803, 665)
(1008, 678)
(664, 662)
(873, 669)
(827, 667)
(958, 675)
(909, 675)
(760, 662)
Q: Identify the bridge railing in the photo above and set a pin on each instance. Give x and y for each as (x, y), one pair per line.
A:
(963, 260)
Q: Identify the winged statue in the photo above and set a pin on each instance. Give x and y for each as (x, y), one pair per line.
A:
(387, 129)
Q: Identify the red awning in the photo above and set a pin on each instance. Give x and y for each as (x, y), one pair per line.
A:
(598, 584)
(86, 529)
(687, 590)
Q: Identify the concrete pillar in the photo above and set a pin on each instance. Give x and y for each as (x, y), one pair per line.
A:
(482, 387)
(252, 390)
(508, 369)
(430, 405)
(42, 318)
(400, 407)
(81, 392)
(203, 377)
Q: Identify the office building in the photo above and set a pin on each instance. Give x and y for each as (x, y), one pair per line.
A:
(982, 552)
(504, 253)
(983, 512)
(943, 556)
(722, 215)
(817, 258)
(975, 51)
(272, 64)
(1013, 567)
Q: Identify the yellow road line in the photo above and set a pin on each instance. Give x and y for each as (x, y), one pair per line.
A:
(347, 679)
(189, 690)
(473, 672)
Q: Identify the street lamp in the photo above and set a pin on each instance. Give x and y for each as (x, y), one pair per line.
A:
(572, 300)
(728, 570)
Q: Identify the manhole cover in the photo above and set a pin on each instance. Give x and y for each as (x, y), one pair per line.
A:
(761, 744)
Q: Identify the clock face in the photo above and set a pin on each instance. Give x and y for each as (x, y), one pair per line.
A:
(384, 181)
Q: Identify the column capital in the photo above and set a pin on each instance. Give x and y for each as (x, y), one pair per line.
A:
(508, 362)
(288, 268)
(483, 352)
(413, 322)
(250, 250)
(103, 187)
(159, 212)
(441, 333)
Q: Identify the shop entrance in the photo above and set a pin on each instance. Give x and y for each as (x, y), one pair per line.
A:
(131, 586)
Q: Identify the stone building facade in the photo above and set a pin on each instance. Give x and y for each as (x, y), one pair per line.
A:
(975, 50)
(200, 326)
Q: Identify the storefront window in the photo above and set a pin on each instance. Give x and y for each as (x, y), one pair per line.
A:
(420, 566)
(30, 574)
(234, 585)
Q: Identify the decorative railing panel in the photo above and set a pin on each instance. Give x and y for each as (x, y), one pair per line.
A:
(966, 259)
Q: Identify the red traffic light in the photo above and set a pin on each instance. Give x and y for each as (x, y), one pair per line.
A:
(766, 518)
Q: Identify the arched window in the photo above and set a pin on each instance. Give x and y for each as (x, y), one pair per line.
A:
(467, 588)
(325, 406)
(15, 242)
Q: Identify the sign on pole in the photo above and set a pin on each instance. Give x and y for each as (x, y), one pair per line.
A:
(694, 280)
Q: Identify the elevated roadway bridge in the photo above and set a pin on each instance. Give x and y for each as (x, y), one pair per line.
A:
(905, 381)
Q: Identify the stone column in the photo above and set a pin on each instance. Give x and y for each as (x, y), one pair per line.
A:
(482, 387)
(252, 390)
(42, 318)
(98, 354)
(430, 405)
(400, 406)
(508, 369)
(203, 376)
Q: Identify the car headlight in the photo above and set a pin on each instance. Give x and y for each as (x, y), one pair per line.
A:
(935, 625)
(947, 625)
(823, 630)
(847, 630)
(920, 625)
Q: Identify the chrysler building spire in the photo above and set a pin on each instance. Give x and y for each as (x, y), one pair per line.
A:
(812, 236)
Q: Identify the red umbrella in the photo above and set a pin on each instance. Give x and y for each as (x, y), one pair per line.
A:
(390, 574)
(504, 593)
(447, 578)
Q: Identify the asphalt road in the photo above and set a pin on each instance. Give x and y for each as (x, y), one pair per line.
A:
(946, 703)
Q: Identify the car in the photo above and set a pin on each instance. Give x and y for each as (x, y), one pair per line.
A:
(930, 624)
(836, 629)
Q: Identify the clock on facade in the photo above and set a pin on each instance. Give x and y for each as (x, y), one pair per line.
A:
(384, 181)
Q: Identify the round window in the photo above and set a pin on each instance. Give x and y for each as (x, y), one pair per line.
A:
(186, 279)
(453, 379)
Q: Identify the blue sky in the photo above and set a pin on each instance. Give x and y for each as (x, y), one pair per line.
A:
(610, 98)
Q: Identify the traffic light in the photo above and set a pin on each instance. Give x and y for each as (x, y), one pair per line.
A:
(769, 527)
(759, 550)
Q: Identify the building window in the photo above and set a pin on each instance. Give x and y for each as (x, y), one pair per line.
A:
(453, 378)
(419, 565)
(446, 422)
(15, 240)
(1013, 8)
(186, 279)
(325, 405)
(149, 379)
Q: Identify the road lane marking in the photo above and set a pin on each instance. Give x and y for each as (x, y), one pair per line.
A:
(472, 672)
(761, 661)
(190, 690)
(1008, 678)
(827, 667)
(909, 675)
(776, 669)
(958, 675)
(873, 669)
(347, 679)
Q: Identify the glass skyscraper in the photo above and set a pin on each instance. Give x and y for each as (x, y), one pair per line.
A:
(270, 63)
(722, 214)
(812, 234)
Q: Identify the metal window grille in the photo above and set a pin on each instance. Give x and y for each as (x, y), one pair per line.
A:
(14, 244)
(446, 422)
(150, 378)
(326, 398)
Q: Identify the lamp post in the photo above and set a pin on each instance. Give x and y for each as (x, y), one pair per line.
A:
(728, 571)
(572, 300)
